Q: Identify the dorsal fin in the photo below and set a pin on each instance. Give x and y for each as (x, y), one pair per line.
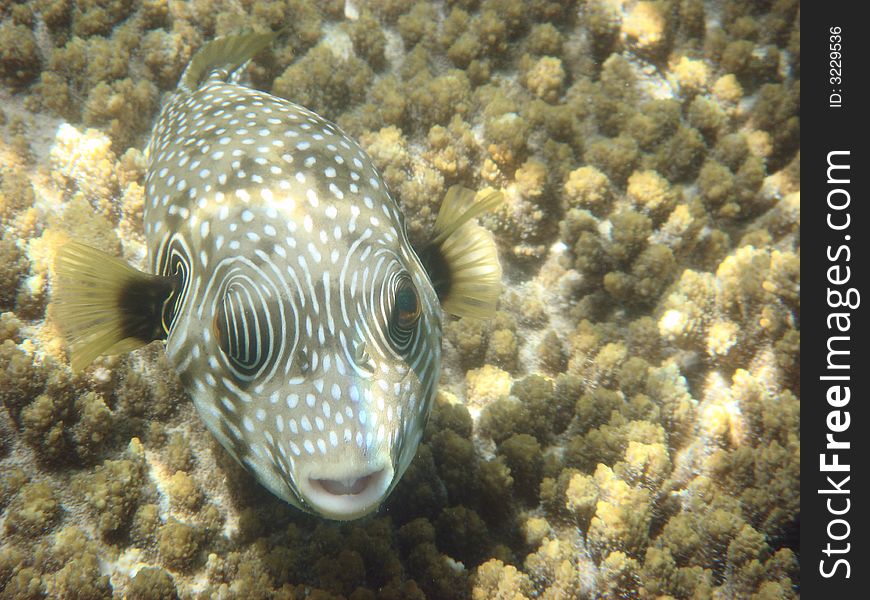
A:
(229, 53)
(462, 258)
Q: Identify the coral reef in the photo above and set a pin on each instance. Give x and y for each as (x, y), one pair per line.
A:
(627, 426)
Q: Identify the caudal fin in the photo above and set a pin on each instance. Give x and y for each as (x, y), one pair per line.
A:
(462, 258)
(104, 306)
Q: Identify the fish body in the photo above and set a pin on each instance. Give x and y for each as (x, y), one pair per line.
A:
(300, 320)
(288, 237)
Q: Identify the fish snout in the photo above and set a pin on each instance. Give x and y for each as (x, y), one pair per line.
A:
(346, 495)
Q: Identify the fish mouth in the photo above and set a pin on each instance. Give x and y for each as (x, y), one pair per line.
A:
(348, 497)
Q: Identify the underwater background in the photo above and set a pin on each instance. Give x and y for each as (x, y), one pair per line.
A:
(627, 426)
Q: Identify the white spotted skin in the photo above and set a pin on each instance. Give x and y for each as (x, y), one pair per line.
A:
(288, 239)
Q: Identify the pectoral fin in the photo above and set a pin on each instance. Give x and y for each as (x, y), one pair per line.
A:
(104, 306)
(462, 258)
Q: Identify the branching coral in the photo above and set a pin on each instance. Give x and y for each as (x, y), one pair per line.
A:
(495, 580)
(19, 54)
(633, 410)
(178, 544)
(324, 82)
(113, 490)
(35, 509)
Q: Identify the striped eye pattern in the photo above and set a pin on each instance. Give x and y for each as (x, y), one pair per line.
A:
(242, 325)
(172, 304)
(405, 314)
(173, 260)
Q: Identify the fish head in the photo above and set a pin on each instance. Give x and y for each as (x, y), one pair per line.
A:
(316, 369)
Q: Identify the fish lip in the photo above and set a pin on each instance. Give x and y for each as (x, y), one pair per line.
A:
(347, 498)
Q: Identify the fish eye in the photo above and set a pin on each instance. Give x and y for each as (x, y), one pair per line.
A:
(406, 309)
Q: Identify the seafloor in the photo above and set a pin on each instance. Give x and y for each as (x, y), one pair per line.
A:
(627, 425)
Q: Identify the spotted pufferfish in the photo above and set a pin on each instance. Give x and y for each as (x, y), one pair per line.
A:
(301, 322)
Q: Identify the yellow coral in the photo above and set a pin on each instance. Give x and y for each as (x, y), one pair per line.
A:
(531, 178)
(645, 26)
(183, 491)
(581, 497)
(132, 208)
(760, 143)
(721, 337)
(691, 75)
(386, 147)
(716, 421)
(535, 530)
(588, 188)
(453, 148)
(496, 581)
(721, 417)
(559, 563)
(673, 323)
(727, 89)
(486, 384)
(622, 514)
(694, 302)
(85, 162)
(646, 465)
(545, 78)
(651, 192)
(489, 171)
